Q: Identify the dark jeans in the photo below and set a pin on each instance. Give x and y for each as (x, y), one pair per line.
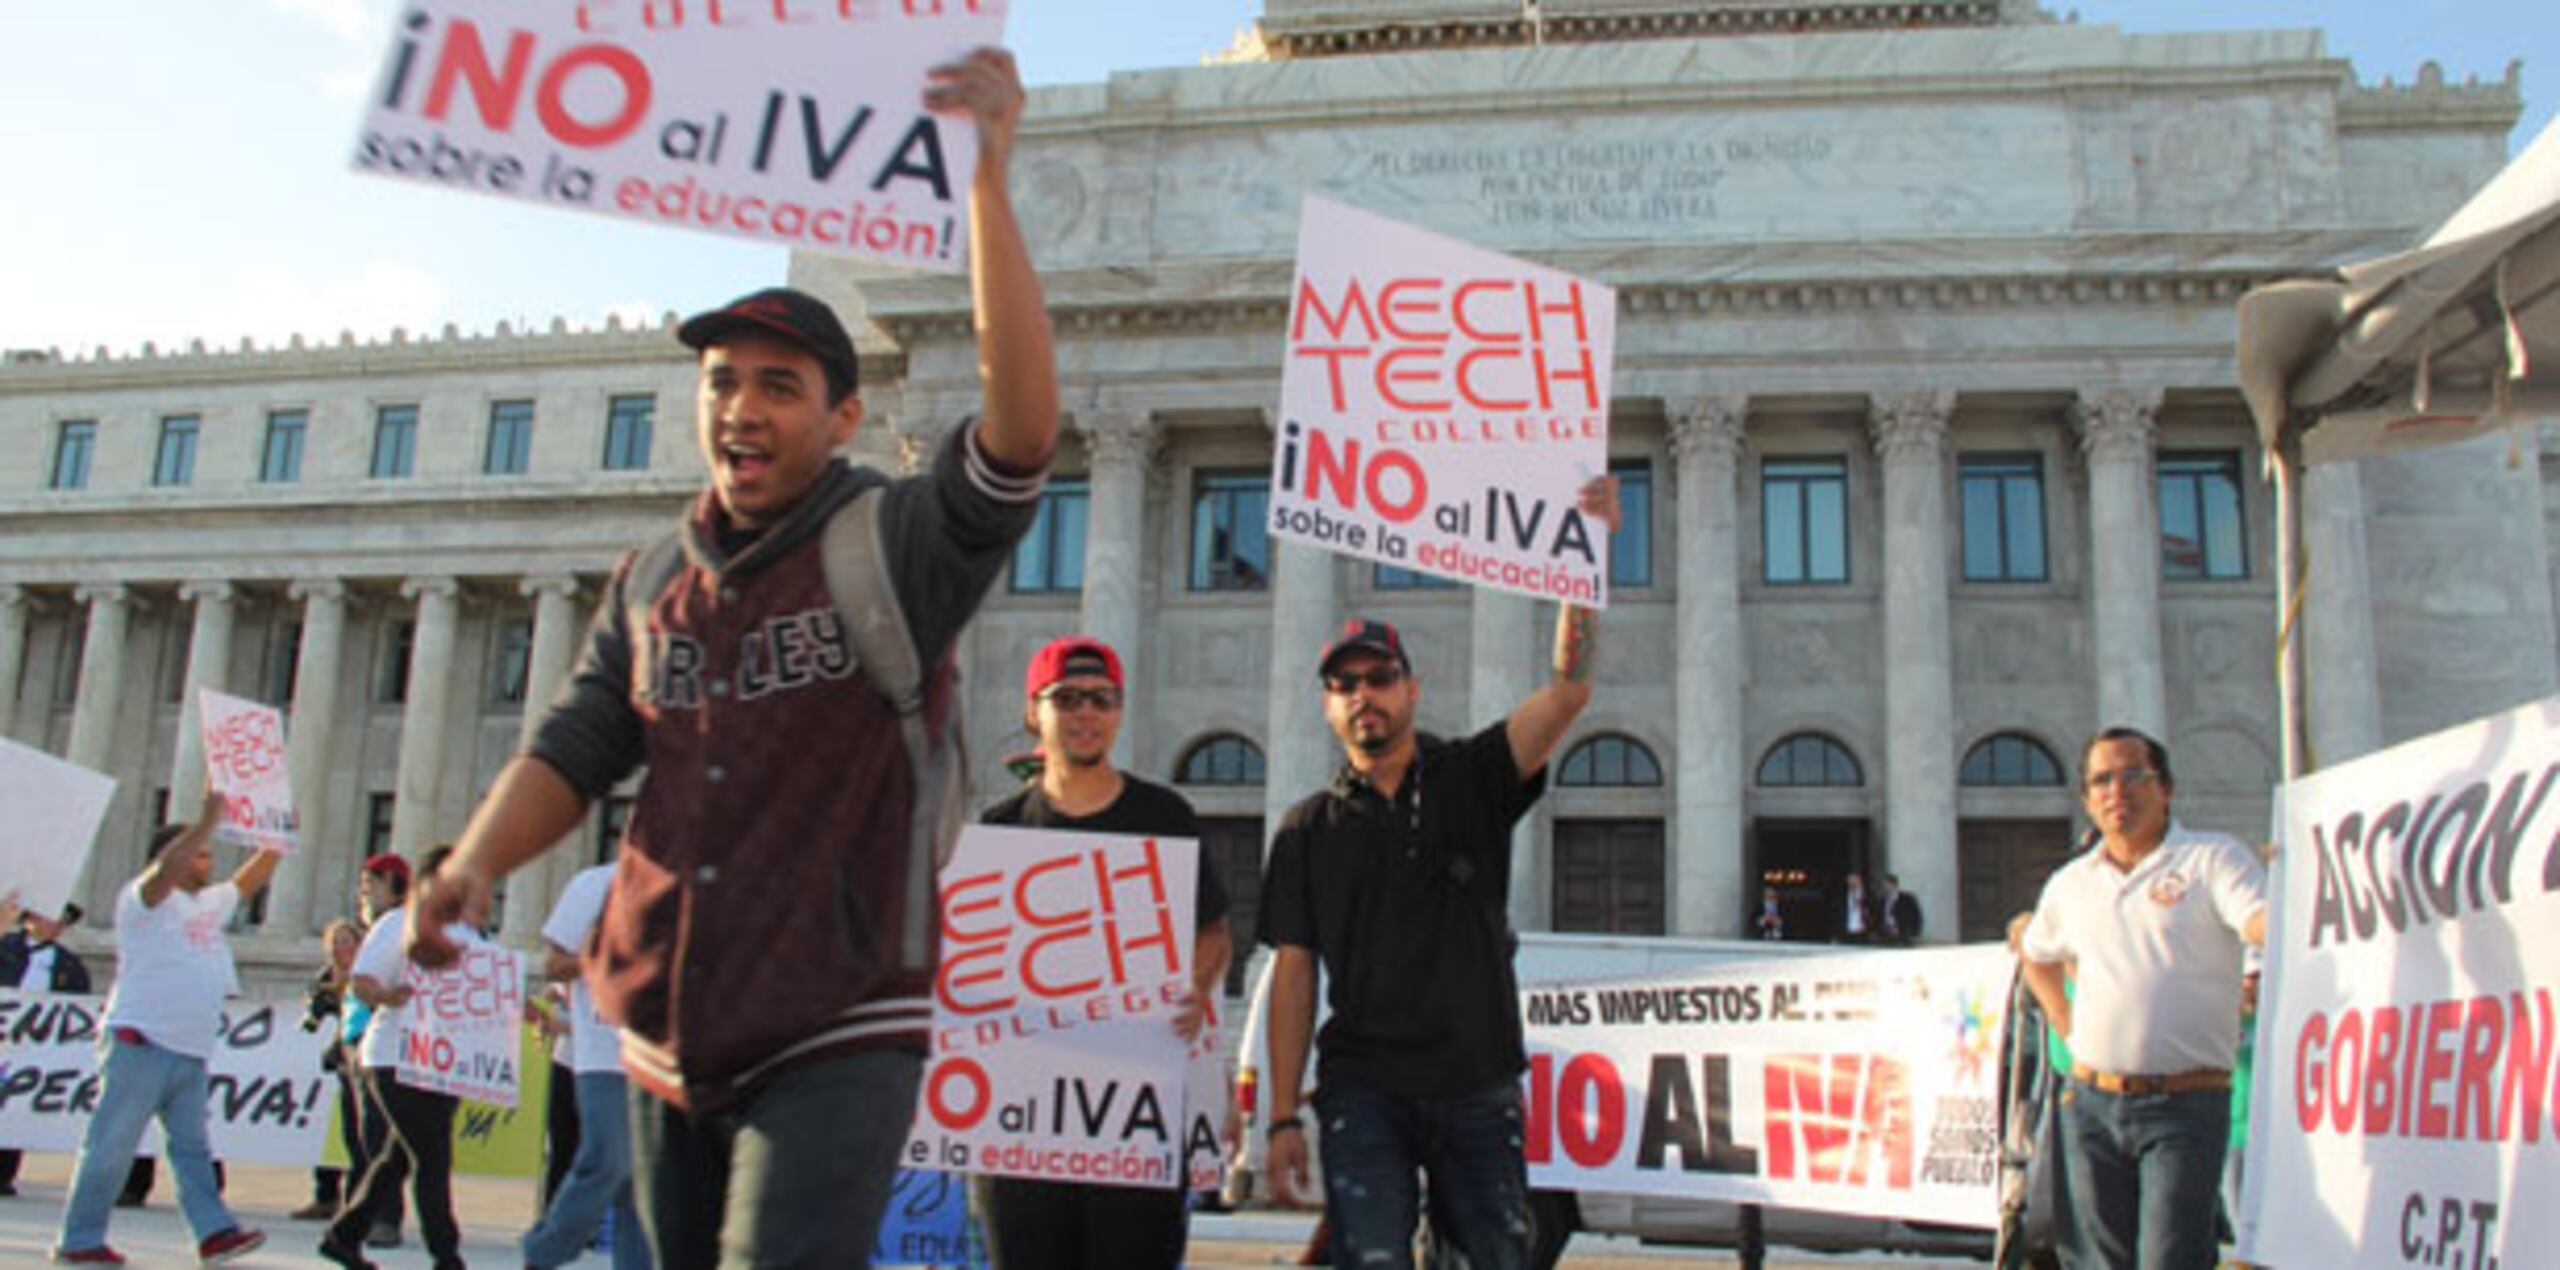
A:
(2143, 1176)
(1470, 1148)
(795, 1176)
(421, 1152)
(1064, 1226)
(560, 1131)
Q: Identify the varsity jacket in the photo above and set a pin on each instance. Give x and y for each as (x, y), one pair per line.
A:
(765, 911)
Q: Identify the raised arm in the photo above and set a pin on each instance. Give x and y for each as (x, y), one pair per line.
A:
(1540, 723)
(178, 859)
(531, 807)
(1017, 357)
(254, 873)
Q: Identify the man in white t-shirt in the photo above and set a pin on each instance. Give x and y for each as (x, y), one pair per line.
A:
(173, 968)
(2152, 921)
(600, 1174)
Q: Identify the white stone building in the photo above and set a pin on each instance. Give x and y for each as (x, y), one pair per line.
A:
(1924, 395)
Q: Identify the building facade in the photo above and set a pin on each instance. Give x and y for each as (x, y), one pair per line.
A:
(1924, 404)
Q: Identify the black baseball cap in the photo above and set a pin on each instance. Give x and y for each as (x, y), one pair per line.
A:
(797, 316)
(1365, 635)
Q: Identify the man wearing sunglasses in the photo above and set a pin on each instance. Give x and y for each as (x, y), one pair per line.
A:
(1396, 879)
(1074, 696)
(2152, 920)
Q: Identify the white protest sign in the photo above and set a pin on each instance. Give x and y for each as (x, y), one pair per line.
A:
(463, 1025)
(53, 810)
(1863, 1083)
(266, 1097)
(244, 758)
(798, 124)
(1441, 408)
(2407, 1099)
(1208, 1085)
(1065, 957)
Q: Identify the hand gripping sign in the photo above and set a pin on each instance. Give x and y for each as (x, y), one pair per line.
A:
(244, 757)
(464, 1024)
(799, 124)
(1441, 407)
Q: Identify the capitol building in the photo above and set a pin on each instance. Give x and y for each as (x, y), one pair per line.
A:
(1925, 408)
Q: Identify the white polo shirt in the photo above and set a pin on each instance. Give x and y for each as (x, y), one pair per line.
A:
(2158, 951)
(383, 959)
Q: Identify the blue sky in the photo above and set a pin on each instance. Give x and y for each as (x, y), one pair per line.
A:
(181, 168)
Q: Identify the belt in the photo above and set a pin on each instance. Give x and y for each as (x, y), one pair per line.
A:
(2201, 1080)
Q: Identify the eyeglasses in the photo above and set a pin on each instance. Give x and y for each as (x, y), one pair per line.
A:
(1379, 679)
(2131, 778)
(1070, 700)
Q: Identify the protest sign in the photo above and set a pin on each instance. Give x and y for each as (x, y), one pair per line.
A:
(1208, 1086)
(465, 1026)
(1065, 956)
(1441, 406)
(491, 1141)
(53, 810)
(2405, 1100)
(800, 125)
(1863, 1083)
(267, 1098)
(244, 758)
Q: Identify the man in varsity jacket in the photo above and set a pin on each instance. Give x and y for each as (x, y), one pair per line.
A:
(768, 941)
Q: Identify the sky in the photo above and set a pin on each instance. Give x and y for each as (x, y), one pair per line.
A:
(183, 166)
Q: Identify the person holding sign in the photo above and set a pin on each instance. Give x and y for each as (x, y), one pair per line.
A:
(2152, 920)
(1075, 694)
(767, 944)
(173, 968)
(1396, 879)
(32, 960)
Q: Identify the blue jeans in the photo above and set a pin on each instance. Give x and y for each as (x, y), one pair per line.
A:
(1470, 1148)
(599, 1179)
(2143, 1175)
(139, 1082)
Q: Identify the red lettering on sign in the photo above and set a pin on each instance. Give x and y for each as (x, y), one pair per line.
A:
(463, 60)
(1829, 1117)
(964, 1072)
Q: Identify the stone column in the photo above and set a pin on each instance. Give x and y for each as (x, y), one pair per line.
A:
(13, 653)
(1707, 891)
(208, 666)
(2118, 433)
(310, 750)
(413, 814)
(1119, 447)
(1919, 681)
(2344, 696)
(555, 642)
(1306, 610)
(93, 719)
(1502, 647)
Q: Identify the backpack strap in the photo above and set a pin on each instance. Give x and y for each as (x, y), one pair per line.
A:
(653, 568)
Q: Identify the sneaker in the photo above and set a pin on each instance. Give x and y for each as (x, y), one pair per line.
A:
(383, 1235)
(229, 1245)
(316, 1210)
(346, 1255)
(101, 1255)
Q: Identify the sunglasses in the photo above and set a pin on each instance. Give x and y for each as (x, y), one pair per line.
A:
(1069, 700)
(1378, 678)
(2130, 778)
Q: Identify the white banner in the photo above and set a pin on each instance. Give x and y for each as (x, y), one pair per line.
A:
(801, 125)
(1864, 1083)
(2408, 1097)
(464, 1025)
(1065, 957)
(244, 758)
(1442, 406)
(268, 1100)
(53, 810)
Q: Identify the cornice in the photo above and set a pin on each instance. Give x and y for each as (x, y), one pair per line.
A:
(1352, 35)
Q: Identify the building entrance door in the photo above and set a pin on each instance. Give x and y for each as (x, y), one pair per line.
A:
(2001, 866)
(1233, 846)
(1807, 864)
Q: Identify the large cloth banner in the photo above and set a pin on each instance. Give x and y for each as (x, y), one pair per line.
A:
(268, 1100)
(465, 1026)
(1862, 1083)
(1441, 406)
(1064, 959)
(2407, 1099)
(244, 758)
(801, 125)
(53, 810)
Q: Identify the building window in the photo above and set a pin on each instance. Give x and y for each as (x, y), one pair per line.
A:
(628, 423)
(377, 824)
(280, 463)
(509, 669)
(1631, 548)
(510, 448)
(1050, 558)
(1387, 577)
(284, 663)
(1224, 759)
(72, 449)
(1809, 760)
(2003, 517)
(613, 815)
(1611, 760)
(395, 442)
(2009, 760)
(391, 679)
(1804, 521)
(1230, 549)
(175, 463)
(2201, 533)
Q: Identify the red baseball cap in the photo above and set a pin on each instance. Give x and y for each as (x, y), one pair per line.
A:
(389, 865)
(1074, 655)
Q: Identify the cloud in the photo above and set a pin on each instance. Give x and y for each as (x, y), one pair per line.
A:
(345, 19)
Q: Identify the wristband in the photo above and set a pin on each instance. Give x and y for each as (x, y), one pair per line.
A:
(1280, 1125)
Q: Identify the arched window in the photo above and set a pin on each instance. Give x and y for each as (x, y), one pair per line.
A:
(2009, 759)
(1223, 759)
(1608, 761)
(1807, 760)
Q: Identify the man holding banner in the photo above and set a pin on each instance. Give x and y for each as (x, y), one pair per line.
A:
(2153, 919)
(1397, 880)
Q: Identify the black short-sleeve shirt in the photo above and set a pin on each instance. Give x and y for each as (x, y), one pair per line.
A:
(1405, 903)
(1143, 809)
